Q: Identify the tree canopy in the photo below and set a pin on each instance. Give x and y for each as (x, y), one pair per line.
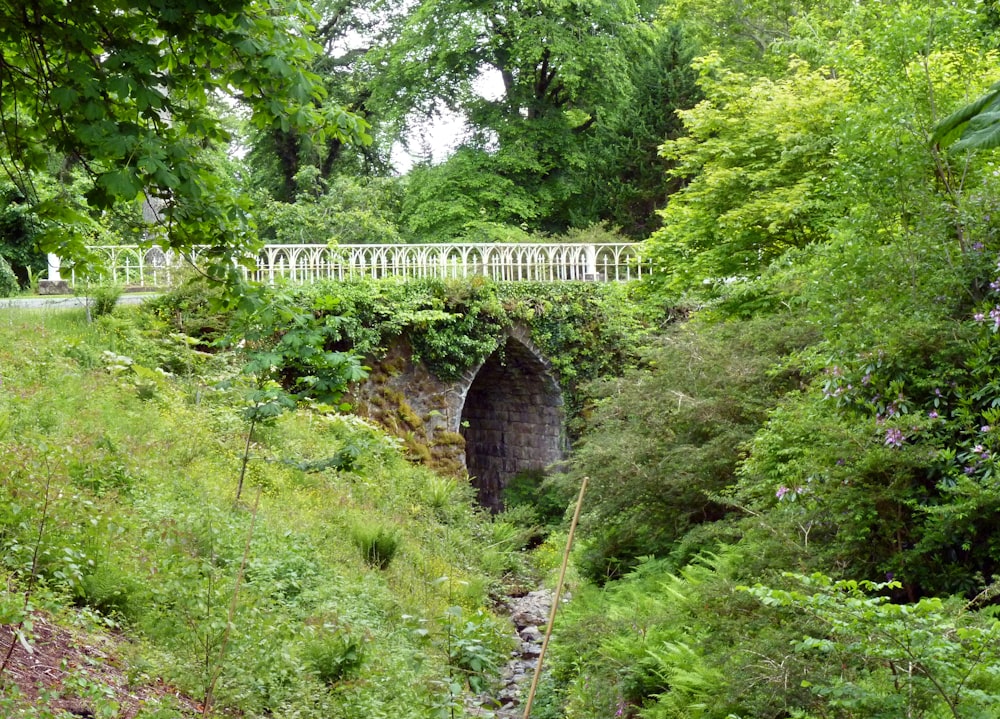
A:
(127, 92)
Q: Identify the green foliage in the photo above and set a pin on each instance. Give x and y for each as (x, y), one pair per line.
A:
(377, 543)
(927, 659)
(834, 390)
(344, 211)
(113, 82)
(474, 647)
(679, 423)
(587, 95)
(452, 326)
(140, 532)
(755, 156)
(19, 229)
(545, 499)
(466, 199)
(8, 281)
(585, 330)
(555, 60)
(195, 308)
(625, 181)
(112, 591)
(278, 155)
(889, 457)
(104, 298)
(334, 653)
(286, 361)
(974, 126)
(751, 35)
(663, 643)
(286, 346)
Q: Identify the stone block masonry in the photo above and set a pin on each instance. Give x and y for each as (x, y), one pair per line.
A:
(509, 412)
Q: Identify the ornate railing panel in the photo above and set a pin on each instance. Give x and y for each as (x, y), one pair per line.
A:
(551, 262)
(129, 265)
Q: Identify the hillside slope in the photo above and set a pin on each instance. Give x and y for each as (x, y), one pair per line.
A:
(345, 583)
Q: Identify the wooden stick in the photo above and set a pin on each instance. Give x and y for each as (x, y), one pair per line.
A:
(555, 600)
(209, 693)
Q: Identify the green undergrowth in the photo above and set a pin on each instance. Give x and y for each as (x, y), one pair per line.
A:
(339, 585)
(585, 330)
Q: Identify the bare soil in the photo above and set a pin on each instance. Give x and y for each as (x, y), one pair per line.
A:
(71, 673)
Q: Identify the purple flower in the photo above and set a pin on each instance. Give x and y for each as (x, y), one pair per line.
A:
(995, 285)
(969, 469)
(841, 462)
(995, 316)
(893, 437)
(782, 491)
(985, 428)
(978, 246)
(867, 378)
(932, 414)
(979, 317)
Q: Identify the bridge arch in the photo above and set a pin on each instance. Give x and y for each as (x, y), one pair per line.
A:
(512, 417)
(498, 419)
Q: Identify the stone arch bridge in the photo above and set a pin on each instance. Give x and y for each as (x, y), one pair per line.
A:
(495, 421)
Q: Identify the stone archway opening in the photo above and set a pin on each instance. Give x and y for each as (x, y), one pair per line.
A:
(512, 420)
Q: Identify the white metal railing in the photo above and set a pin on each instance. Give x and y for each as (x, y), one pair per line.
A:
(137, 266)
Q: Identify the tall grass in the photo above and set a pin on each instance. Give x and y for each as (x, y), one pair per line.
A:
(142, 531)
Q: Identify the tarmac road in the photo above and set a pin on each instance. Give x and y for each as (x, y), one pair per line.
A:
(65, 301)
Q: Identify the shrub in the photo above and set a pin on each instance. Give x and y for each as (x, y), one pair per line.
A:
(105, 298)
(475, 644)
(194, 308)
(109, 591)
(334, 653)
(664, 440)
(531, 489)
(8, 280)
(378, 544)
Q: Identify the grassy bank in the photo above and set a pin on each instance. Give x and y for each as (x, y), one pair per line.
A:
(345, 583)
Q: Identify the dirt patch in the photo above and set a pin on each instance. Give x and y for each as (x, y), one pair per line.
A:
(70, 673)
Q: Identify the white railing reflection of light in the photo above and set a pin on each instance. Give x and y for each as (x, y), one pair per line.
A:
(301, 264)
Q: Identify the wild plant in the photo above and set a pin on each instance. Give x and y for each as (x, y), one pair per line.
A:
(20, 617)
(931, 658)
(286, 361)
(377, 543)
(100, 698)
(473, 645)
(231, 616)
(334, 651)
